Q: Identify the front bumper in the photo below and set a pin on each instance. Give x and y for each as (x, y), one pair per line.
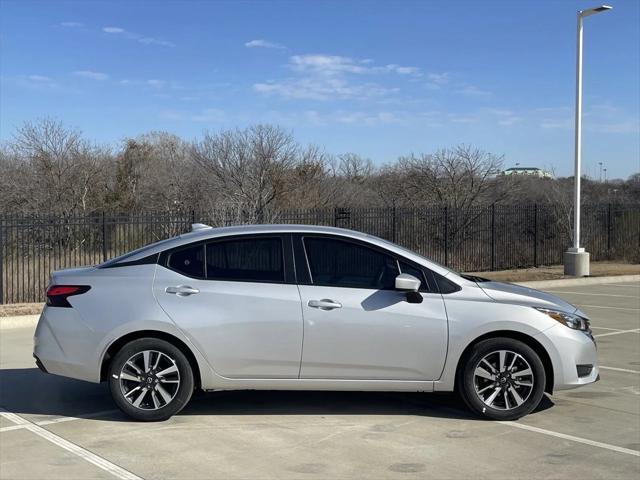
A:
(569, 349)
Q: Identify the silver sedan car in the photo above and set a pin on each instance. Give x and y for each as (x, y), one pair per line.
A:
(282, 307)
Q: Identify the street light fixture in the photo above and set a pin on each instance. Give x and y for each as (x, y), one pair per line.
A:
(576, 259)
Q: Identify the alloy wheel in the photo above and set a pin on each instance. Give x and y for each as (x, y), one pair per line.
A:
(503, 380)
(149, 380)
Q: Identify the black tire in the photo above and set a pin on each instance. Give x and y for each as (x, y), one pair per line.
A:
(181, 394)
(471, 396)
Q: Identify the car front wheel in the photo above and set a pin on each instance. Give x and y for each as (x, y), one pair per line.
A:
(150, 379)
(502, 379)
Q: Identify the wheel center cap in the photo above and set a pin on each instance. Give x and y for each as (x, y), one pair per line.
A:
(503, 380)
(149, 379)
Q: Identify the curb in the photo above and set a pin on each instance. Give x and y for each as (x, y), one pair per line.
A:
(569, 282)
(19, 321)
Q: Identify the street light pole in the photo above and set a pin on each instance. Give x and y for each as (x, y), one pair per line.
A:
(600, 163)
(576, 261)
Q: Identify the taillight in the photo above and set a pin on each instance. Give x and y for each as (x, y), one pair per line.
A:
(57, 294)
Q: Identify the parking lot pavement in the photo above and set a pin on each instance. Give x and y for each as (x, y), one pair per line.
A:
(59, 428)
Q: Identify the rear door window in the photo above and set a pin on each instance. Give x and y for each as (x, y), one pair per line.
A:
(246, 260)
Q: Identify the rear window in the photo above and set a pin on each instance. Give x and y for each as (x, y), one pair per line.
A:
(189, 261)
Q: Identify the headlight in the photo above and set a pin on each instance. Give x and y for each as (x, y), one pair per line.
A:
(575, 322)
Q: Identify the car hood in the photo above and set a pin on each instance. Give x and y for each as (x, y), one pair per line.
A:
(511, 293)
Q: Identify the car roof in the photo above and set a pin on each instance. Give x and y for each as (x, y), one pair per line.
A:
(206, 233)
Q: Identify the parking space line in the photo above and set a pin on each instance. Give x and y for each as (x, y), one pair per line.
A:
(115, 470)
(60, 420)
(608, 328)
(635, 330)
(616, 369)
(614, 308)
(618, 285)
(573, 438)
(591, 294)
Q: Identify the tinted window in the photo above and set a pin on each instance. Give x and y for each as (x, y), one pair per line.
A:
(346, 264)
(416, 272)
(251, 260)
(188, 261)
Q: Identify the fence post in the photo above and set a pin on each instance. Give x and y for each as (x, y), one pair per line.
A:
(393, 229)
(446, 236)
(1, 262)
(104, 238)
(535, 235)
(193, 216)
(493, 237)
(335, 216)
(609, 232)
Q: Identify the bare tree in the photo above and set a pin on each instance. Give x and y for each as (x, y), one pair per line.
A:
(252, 167)
(61, 168)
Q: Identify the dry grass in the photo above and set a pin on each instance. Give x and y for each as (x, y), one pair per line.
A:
(598, 269)
(16, 309)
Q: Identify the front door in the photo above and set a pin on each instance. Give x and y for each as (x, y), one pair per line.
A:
(237, 302)
(356, 326)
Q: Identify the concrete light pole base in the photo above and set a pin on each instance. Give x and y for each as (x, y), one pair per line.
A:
(576, 262)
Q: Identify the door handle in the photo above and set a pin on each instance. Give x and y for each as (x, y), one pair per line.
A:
(324, 304)
(182, 290)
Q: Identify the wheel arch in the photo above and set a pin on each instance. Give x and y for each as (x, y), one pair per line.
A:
(117, 344)
(524, 338)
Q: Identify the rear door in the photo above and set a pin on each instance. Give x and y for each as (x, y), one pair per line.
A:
(356, 325)
(237, 300)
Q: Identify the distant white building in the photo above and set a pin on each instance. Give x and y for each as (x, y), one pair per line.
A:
(528, 171)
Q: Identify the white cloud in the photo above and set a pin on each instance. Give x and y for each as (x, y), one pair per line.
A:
(557, 123)
(330, 77)
(436, 81)
(208, 115)
(39, 78)
(321, 89)
(439, 78)
(325, 64)
(137, 37)
(337, 64)
(71, 24)
(472, 91)
(264, 44)
(155, 83)
(91, 75)
(415, 71)
(113, 30)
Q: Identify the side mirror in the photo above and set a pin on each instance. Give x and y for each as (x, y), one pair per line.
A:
(411, 285)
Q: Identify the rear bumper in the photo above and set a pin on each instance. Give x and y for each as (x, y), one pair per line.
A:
(39, 364)
(68, 349)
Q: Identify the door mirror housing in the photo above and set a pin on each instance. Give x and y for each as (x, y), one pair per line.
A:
(409, 284)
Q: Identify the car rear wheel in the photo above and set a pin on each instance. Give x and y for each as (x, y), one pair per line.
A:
(502, 379)
(150, 379)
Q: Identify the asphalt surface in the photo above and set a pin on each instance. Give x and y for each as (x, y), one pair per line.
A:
(52, 427)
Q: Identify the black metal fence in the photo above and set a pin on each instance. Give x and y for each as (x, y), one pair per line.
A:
(482, 238)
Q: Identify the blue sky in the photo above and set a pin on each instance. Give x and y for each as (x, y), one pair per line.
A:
(381, 79)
